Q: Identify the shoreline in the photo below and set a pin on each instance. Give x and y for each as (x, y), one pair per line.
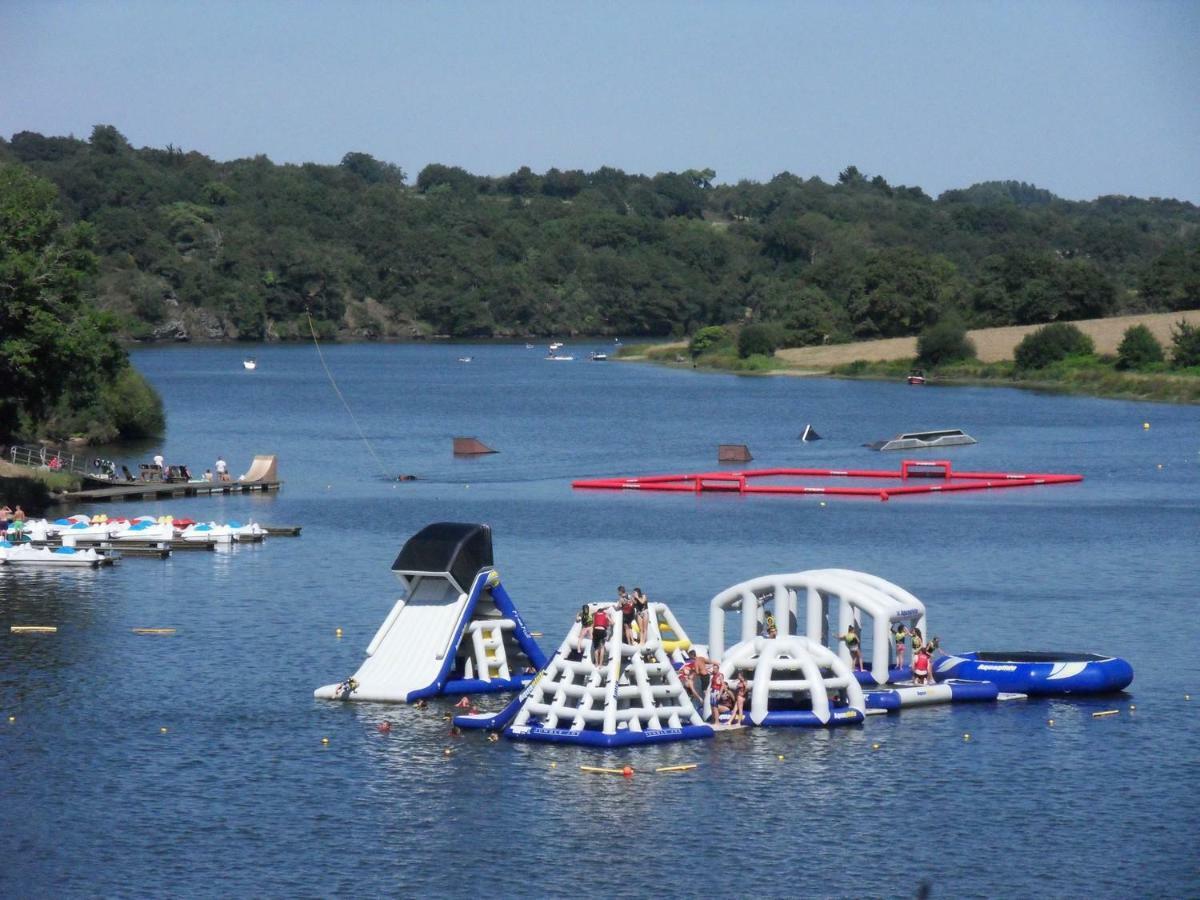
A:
(1131, 386)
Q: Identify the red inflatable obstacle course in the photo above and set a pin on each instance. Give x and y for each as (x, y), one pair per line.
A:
(910, 469)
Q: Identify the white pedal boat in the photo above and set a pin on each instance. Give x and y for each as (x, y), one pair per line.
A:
(24, 555)
(207, 532)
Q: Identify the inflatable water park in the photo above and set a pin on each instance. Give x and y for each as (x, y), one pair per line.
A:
(819, 648)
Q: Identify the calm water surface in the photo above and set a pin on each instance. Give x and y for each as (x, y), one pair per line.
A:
(239, 796)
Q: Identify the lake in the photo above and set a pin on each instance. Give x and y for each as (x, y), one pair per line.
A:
(240, 797)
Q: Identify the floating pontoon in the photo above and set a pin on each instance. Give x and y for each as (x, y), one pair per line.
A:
(455, 632)
(1043, 673)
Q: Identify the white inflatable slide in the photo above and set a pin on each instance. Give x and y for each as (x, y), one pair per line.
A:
(455, 631)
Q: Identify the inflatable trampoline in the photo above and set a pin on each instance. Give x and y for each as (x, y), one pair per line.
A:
(1039, 673)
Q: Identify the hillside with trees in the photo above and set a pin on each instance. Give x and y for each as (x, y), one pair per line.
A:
(192, 248)
(62, 368)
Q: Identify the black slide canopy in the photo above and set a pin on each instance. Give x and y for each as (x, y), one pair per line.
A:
(459, 548)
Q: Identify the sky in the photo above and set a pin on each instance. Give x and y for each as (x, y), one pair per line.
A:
(1082, 98)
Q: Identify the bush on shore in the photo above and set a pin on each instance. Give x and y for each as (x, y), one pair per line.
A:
(1052, 343)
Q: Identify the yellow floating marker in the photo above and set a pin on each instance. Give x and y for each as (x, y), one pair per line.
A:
(781, 756)
(447, 751)
(967, 736)
(1105, 712)
(163, 730)
(874, 746)
(154, 631)
(324, 740)
(1132, 707)
(1049, 721)
(1187, 696)
(12, 718)
(1145, 426)
(338, 632)
(1160, 465)
(684, 768)
(34, 629)
(554, 765)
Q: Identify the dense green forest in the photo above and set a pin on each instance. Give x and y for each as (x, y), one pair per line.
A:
(63, 371)
(193, 248)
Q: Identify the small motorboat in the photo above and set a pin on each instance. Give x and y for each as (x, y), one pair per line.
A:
(597, 357)
(916, 376)
(557, 345)
(61, 557)
(560, 357)
(529, 346)
(1039, 673)
(919, 440)
(465, 359)
(249, 364)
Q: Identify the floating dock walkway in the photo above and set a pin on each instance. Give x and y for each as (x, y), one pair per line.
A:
(741, 482)
(162, 490)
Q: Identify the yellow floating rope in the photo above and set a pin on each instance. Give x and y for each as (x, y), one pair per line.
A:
(33, 629)
(154, 631)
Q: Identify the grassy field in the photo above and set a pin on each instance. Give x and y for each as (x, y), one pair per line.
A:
(893, 358)
(991, 344)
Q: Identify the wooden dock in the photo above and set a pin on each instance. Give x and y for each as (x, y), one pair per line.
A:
(165, 490)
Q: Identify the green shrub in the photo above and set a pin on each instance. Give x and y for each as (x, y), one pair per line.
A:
(709, 339)
(944, 342)
(1185, 345)
(1051, 343)
(1138, 349)
(757, 339)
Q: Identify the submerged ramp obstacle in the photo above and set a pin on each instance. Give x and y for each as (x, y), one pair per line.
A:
(455, 631)
(634, 697)
(742, 482)
(469, 446)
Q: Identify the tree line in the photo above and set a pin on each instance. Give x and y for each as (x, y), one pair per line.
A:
(189, 247)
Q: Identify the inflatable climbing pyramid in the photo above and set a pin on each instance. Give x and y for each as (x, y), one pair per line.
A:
(634, 697)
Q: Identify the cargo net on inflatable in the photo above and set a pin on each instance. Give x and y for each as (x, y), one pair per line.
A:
(634, 696)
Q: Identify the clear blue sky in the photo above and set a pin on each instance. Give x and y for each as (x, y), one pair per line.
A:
(1082, 98)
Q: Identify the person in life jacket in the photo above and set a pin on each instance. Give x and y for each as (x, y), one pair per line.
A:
(854, 645)
(599, 635)
(899, 635)
(921, 666)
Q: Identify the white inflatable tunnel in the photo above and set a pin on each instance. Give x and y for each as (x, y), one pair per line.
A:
(773, 601)
(795, 681)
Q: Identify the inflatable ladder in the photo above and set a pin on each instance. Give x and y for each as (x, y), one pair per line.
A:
(634, 697)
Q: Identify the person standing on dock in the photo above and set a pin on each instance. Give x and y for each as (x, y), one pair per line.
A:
(221, 469)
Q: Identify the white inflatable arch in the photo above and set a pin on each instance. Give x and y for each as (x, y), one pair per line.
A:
(794, 665)
(856, 593)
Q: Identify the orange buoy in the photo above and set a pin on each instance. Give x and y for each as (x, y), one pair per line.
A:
(627, 771)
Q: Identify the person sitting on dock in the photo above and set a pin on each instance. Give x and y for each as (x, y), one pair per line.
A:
(899, 635)
(854, 645)
(599, 636)
(208, 475)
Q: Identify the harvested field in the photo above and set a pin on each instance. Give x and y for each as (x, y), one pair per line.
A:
(991, 344)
